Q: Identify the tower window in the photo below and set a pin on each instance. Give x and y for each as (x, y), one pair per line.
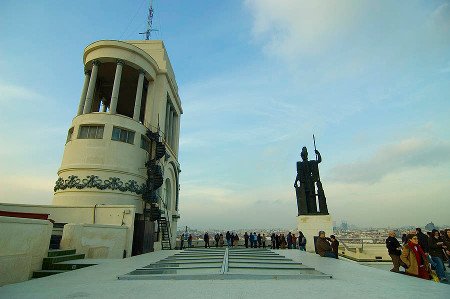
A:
(69, 135)
(123, 135)
(91, 132)
(145, 143)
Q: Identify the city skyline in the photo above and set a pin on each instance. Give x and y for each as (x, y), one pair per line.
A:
(256, 80)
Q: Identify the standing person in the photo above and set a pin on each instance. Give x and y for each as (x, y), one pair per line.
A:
(335, 245)
(236, 240)
(404, 239)
(264, 240)
(283, 242)
(423, 239)
(277, 241)
(206, 239)
(394, 250)
(232, 239)
(190, 240)
(255, 239)
(323, 247)
(289, 240)
(221, 240)
(246, 239)
(181, 241)
(216, 238)
(258, 239)
(414, 258)
(186, 237)
(294, 241)
(251, 239)
(228, 237)
(436, 250)
(272, 239)
(301, 241)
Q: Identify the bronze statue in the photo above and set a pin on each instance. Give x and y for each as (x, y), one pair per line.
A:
(305, 186)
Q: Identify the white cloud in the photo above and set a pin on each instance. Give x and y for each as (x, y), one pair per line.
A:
(384, 31)
(291, 26)
(409, 197)
(411, 153)
(11, 94)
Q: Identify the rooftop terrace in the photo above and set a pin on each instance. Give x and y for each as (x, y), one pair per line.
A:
(349, 279)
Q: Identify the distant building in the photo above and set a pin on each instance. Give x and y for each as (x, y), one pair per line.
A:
(344, 226)
(430, 226)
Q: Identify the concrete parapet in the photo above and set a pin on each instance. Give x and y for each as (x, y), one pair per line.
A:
(115, 215)
(24, 244)
(95, 240)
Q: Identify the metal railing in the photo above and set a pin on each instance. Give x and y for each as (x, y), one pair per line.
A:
(360, 241)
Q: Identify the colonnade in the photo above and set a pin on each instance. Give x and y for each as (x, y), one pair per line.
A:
(90, 80)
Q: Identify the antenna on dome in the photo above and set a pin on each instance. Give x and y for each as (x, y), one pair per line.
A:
(149, 22)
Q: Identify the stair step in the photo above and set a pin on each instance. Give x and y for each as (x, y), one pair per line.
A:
(60, 252)
(55, 240)
(44, 273)
(59, 266)
(62, 258)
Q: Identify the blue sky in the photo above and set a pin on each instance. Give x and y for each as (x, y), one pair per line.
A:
(257, 78)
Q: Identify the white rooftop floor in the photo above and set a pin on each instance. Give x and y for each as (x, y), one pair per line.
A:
(350, 280)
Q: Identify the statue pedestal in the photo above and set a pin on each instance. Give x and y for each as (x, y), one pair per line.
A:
(310, 225)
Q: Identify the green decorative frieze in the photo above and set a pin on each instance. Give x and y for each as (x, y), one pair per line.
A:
(93, 181)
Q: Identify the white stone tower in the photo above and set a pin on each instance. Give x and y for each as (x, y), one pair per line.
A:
(122, 146)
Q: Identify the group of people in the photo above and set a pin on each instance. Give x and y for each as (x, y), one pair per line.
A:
(185, 238)
(252, 240)
(230, 238)
(290, 241)
(255, 240)
(421, 254)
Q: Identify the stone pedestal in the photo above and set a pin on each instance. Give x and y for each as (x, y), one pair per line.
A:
(310, 225)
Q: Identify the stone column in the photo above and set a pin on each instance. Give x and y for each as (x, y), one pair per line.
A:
(87, 76)
(177, 134)
(116, 88)
(172, 133)
(91, 88)
(166, 121)
(137, 100)
(171, 129)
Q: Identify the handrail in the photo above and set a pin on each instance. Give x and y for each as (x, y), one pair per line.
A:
(361, 241)
(166, 214)
(154, 129)
(343, 243)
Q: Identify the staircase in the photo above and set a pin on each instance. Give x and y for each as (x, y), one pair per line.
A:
(155, 179)
(164, 228)
(56, 236)
(56, 262)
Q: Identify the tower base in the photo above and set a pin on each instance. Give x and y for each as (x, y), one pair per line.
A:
(310, 225)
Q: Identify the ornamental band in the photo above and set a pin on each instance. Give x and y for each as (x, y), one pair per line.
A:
(305, 186)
